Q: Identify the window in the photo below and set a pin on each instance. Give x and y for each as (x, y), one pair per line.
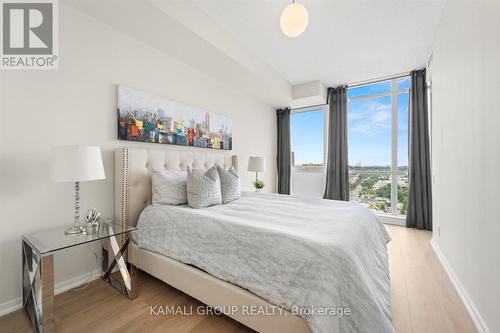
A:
(378, 145)
(307, 129)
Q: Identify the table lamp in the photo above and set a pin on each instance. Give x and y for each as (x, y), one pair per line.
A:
(76, 164)
(257, 164)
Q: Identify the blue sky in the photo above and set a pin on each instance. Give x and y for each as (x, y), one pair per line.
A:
(307, 136)
(369, 129)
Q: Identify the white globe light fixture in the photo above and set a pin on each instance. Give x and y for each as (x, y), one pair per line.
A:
(294, 19)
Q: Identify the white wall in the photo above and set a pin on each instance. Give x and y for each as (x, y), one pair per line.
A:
(76, 104)
(308, 182)
(465, 75)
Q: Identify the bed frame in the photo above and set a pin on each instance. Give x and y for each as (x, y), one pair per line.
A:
(133, 194)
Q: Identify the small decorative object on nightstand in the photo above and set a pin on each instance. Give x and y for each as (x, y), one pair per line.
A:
(259, 185)
(257, 164)
(76, 164)
(92, 220)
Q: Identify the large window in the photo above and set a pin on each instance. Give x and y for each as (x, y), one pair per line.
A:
(378, 145)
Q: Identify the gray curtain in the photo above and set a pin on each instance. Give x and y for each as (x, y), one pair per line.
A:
(284, 151)
(419, 213)
(337, 172)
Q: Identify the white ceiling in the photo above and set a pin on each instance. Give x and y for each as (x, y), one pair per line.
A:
(346, 41)
(179, 29)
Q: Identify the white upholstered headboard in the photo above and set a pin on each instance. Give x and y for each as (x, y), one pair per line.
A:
(133, 180)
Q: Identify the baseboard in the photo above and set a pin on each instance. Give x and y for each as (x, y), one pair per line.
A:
(17, 303)
(464, 296)
(11, 306)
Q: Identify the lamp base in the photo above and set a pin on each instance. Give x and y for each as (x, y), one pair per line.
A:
(76, 229)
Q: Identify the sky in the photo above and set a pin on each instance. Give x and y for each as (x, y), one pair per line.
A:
(307, 136)
(369, 129)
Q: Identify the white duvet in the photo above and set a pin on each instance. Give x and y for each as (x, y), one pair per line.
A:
(299, 253)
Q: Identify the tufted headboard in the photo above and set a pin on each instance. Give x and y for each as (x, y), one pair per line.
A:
(133, 180)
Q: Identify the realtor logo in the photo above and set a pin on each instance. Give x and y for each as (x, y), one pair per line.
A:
(29, 34)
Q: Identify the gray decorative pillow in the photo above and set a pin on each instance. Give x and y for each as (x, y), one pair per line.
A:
(229, 184)
(169, 187)
(203, 188)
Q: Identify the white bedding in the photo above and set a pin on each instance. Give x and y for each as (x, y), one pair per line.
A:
(292, 252)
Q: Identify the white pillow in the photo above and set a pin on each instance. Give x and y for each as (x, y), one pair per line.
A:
(203, 188)
(229, 184)
(169, 187)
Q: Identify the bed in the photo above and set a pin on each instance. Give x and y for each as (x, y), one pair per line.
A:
(314, 265)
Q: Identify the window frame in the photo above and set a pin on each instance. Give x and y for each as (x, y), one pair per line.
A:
(393, 93)
(324, 109)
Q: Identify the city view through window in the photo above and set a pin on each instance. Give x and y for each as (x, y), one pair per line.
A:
(377, 144)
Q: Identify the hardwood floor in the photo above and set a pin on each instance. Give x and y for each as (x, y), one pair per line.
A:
(423, 300)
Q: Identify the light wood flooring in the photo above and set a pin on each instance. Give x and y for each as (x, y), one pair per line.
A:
(423, 300)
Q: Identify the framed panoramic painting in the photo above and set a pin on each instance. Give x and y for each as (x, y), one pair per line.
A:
(145, 117)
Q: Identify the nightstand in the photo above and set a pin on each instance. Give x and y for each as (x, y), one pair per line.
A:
(38, 267)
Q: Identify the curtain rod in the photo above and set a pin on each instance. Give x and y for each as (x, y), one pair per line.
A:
(377, 80)
(308, 107)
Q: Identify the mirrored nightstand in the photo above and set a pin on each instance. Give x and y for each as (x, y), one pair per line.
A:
(38, 267)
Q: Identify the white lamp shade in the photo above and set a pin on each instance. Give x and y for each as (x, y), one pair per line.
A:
(257, 164)
(294, 20)
(76, 163)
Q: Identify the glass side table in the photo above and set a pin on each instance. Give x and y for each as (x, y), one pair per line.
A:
(38, 267)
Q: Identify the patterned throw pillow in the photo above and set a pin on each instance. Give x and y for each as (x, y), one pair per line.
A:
(169, 187)
(229, 184)
(203, 188)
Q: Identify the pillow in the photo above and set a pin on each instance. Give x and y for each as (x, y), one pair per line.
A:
(169, 187)
(229, 184)
(203, 188)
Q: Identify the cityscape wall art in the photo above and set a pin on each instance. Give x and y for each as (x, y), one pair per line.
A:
(145, 117)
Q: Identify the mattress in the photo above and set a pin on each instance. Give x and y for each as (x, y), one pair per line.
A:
(323, 260)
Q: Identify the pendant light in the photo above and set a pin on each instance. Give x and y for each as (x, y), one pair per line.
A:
(294, 19)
